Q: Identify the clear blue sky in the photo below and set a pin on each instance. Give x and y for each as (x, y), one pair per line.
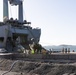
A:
(56, 18)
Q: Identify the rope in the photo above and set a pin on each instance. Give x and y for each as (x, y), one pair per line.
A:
(10, 67)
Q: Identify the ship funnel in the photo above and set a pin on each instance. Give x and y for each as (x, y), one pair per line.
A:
(5, 10)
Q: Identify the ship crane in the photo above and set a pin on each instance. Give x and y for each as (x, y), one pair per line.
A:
(20, 4)
(13, 2)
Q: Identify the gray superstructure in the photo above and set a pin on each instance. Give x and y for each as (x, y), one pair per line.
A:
(14, 32)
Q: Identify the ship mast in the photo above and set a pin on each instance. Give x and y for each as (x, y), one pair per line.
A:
(13, 2)
(20, 15)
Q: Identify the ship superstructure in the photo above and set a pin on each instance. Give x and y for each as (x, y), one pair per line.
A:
(18, 31)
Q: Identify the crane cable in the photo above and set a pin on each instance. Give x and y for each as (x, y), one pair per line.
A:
(10, 10)
(24, 13)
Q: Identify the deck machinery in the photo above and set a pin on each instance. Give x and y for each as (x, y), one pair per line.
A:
(18, 31)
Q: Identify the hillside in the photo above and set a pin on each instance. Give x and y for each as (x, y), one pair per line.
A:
(72, 47)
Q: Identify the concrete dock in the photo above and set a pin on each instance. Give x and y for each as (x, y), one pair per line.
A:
(52, 56)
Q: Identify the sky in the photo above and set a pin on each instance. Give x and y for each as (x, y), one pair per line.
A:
(56, 18)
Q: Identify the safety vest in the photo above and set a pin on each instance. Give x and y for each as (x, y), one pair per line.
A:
(32, 51)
